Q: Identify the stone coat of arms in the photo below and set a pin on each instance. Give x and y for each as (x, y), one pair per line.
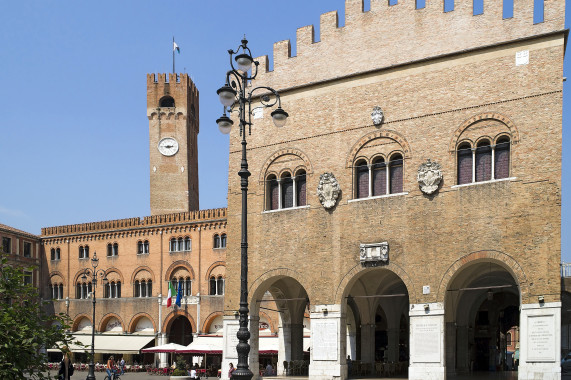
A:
(328, 190)
(377, 115)
(429, 176)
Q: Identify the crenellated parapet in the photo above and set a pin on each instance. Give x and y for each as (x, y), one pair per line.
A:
(388, 36)
(217, 215)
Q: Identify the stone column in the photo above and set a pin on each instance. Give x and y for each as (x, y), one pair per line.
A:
(254, 357)
(163, 357)
(229, 354)
(296, 341)
(328, 343)
(462, 350)
(368, 343)
(393, 345)
(450, 337)
(427, 342)
(540, 341)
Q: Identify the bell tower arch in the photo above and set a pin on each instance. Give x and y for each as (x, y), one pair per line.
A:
(172, 109)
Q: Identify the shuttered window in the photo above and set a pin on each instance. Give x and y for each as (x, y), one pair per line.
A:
(396, 174)
(274, 191)
(464, 165)
(287, 192)
(301, 189)
(379, 178)
(502, 160)
(362, 180)
(483, 162)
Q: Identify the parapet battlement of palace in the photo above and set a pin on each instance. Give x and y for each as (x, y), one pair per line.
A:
(393, 35)
(175, 79)
(200, 216)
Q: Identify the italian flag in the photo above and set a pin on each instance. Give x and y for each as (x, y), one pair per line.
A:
(171, 293)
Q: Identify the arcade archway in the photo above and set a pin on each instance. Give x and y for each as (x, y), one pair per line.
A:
(482, 319)
(377, 305)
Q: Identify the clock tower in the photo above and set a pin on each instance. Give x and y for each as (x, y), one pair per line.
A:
(172, 109)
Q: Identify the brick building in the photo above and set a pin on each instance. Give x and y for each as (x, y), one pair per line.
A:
(416, 241)
(24, 250)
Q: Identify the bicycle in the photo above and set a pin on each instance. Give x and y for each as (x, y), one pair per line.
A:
(114, 376)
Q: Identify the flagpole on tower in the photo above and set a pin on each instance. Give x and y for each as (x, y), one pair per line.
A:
(173, 49)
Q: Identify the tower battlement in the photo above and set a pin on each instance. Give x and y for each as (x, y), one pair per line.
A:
(182, 80)
(392, 35)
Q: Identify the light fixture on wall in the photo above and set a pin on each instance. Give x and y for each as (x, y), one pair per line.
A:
(426, 307)
(490, 295)
(541, 299)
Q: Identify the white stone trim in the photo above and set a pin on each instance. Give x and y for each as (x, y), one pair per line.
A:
(483, 182)
(285, 209)
(377, 197)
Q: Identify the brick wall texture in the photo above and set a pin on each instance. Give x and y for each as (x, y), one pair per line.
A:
(440, 78)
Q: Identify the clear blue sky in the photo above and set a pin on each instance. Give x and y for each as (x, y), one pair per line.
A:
(74, 138)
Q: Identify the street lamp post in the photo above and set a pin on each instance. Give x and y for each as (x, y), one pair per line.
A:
(93, 273)
(231, 94)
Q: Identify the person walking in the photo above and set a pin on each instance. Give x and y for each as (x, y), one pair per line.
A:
(66, 366)
(231, 370)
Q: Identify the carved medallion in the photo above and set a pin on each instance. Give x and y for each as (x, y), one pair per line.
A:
(328, 190)
(429, 176)
(374, 254)
(377, 115)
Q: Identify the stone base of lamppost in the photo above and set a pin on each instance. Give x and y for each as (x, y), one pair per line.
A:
(243, 374)
(91, 372)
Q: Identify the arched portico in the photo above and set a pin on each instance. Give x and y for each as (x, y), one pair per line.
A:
(482, 304)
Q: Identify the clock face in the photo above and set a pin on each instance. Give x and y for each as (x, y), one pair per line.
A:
(168, 146)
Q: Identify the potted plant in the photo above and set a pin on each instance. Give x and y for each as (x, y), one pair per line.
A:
(180, 372)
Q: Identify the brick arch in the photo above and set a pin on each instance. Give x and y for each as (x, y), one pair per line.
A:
(57, 273)
(268, 319)
(393, 135)
(78, 275)
(357, 269)
(173, 315)
(497, 257)
(78, 318)
(106, 319)
(278, 272)
(177, 264)
(208, 321)
(138, 269)
(135, 319)
(115, 270)
(281, 152)
(484, 116)
(211, 268)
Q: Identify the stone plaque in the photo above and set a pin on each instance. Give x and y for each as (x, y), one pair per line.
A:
(541, 338)
(426, 332)
(231, 340)
(324, 339)
(374, 254)
(522, 58)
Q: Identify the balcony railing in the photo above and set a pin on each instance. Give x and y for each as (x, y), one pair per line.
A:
(565, 269)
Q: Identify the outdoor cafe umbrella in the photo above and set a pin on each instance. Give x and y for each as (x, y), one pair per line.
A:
(164, 348)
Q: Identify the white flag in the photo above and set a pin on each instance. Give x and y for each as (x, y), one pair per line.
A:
(175, 47)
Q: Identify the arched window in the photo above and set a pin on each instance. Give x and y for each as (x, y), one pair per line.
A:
(216, 241)
(52, 254)
(51, 291)
(149, 288)
(273, 193)
(173, 245)
(137, 289)
(187, 244)
(464, 152)
(82, 290)
(140, 247)
(483, 161)
(58, 254)
(502, 158)
(60, 292)
(113, 290)
(166, 101)
(362, 179)
(223, 241)
(143, 288)
(220, 286)
(212, 286)
(396, 174)
(187, 287)
(83, 252)
(112, 249)
(287, 191)
(301, 188)
(180, 244)
(143, 247)
(379, 171)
